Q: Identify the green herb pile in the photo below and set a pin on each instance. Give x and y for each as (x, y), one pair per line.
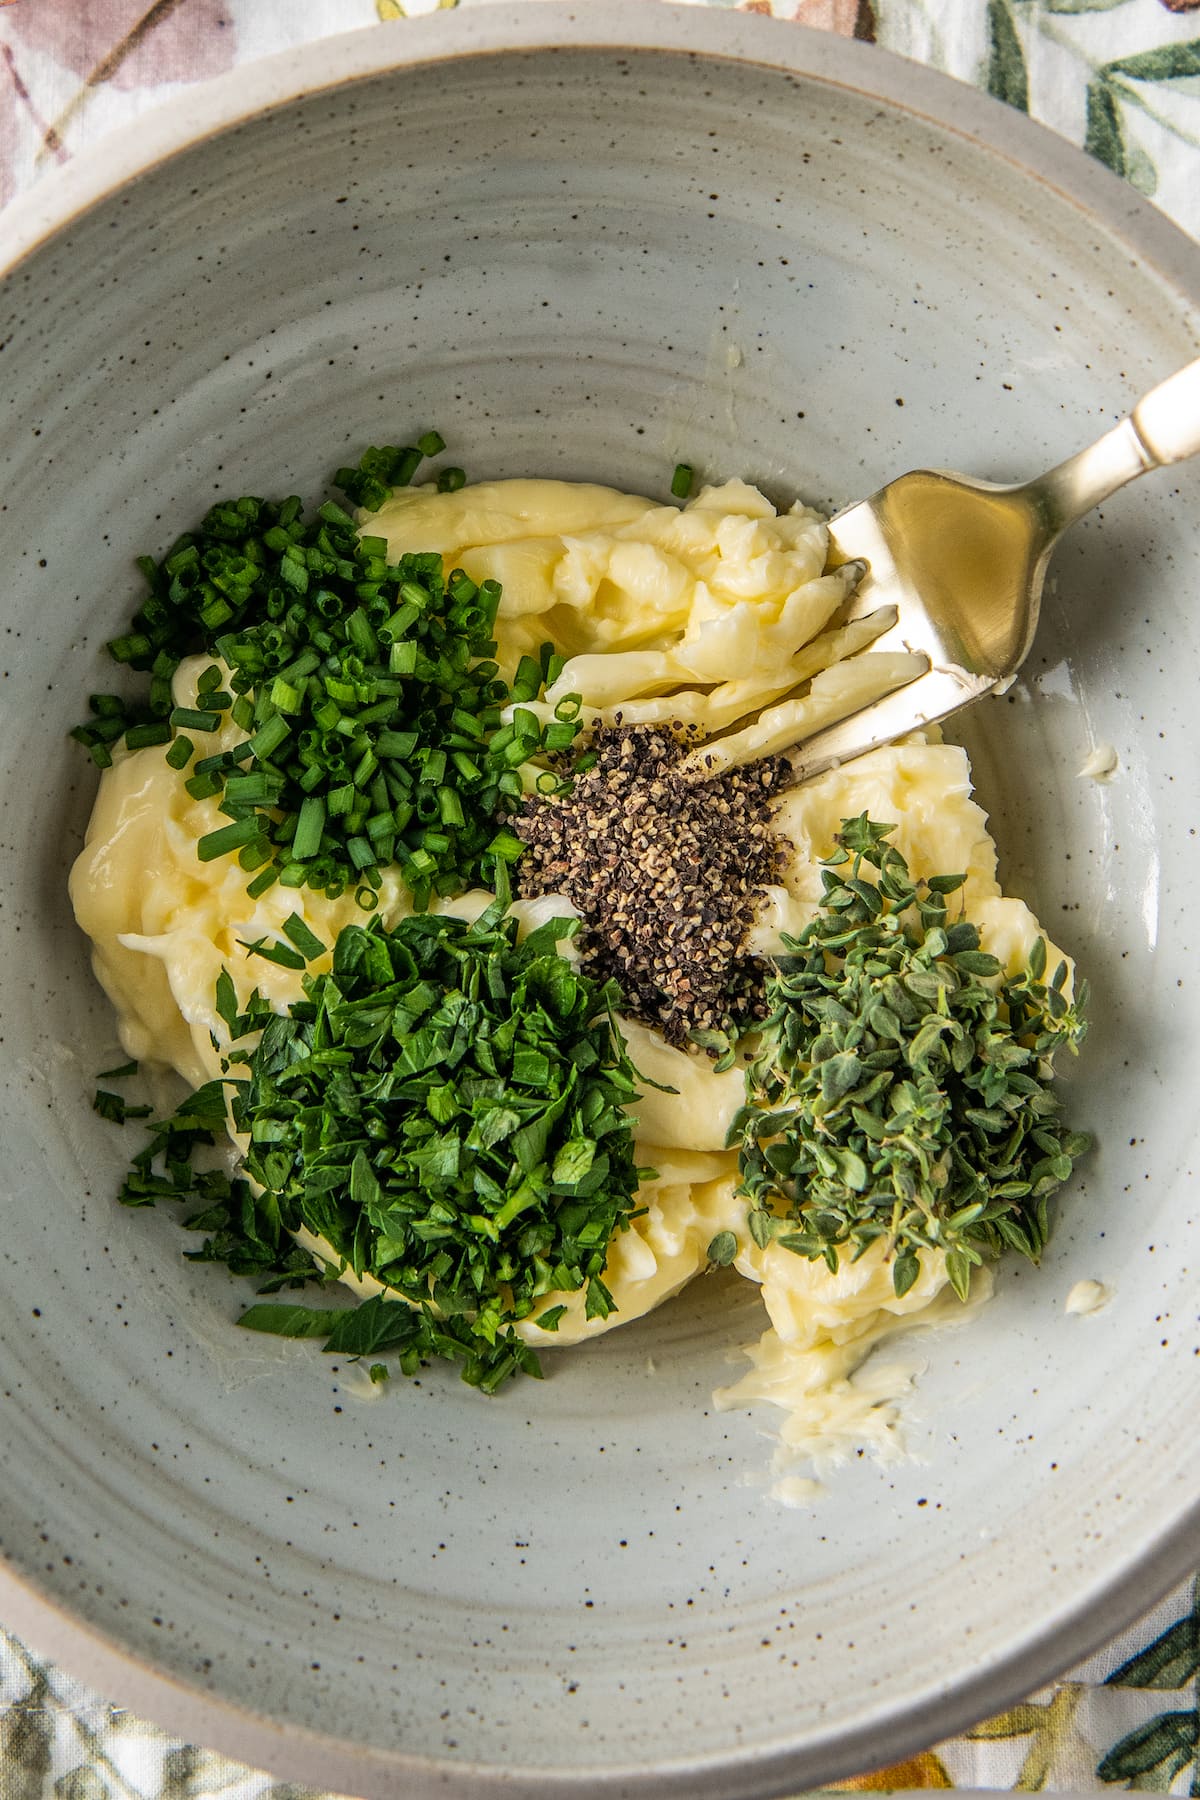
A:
(901, 1086)
(367, 693)
(445, 1110)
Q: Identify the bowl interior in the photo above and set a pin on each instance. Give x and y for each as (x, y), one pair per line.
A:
(594, 263)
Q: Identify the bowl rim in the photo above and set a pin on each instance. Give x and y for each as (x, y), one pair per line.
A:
(1034, 152)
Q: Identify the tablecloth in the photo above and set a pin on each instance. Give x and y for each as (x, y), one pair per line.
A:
(1120, 77)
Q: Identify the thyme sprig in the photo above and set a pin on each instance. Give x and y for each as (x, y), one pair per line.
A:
(901, 1087)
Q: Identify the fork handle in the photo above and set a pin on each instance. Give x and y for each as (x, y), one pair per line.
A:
(1167, 420)
(1164, 427)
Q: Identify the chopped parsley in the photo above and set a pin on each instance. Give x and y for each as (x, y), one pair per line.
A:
(116, 1109)
(900, 1091)
(444, 1110)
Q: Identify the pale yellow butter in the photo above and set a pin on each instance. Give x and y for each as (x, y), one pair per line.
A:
(655, 605)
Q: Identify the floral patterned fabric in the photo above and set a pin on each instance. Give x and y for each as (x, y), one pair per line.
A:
(1120, 77)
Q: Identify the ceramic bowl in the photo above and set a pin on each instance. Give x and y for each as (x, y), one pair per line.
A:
(588, 242)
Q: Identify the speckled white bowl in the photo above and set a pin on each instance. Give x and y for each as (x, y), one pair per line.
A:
(547, 230)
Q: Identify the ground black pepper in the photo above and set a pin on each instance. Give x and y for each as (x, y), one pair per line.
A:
(666, 874)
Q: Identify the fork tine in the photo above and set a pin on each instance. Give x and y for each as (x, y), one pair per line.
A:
(930, 697)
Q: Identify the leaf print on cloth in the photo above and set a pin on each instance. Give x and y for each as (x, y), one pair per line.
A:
(1161, 1749)
(82, 1783)
(1172, 1660)
(924, 1771)
(1081, 6)
(16, 104)
(1007, 76)
(1050, 1727)
(26, 1740)
(128, 42)
(1119, 86)
(1105, 134)
(1158, 1751)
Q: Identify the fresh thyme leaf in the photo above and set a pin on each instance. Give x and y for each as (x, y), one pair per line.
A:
(901, 1087)
(762, 1226)
(722, 1249)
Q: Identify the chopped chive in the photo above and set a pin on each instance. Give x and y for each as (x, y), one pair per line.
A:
(107, 705)
(228, 837)
(399, 623)
(305, 664)
(255, 789)
(451, 480)
(131, 648)
(681, 480)
(180, 753)
(262, 881)
(269, 736)
(559, 737)
(364, 690)
(143, 737)
(506, 845)
(189, 718)
(204, 787)
(398, 744)
(310, 825)
(285, 696)
(221, 763)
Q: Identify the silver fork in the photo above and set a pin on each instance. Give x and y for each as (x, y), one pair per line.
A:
(964, 561)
